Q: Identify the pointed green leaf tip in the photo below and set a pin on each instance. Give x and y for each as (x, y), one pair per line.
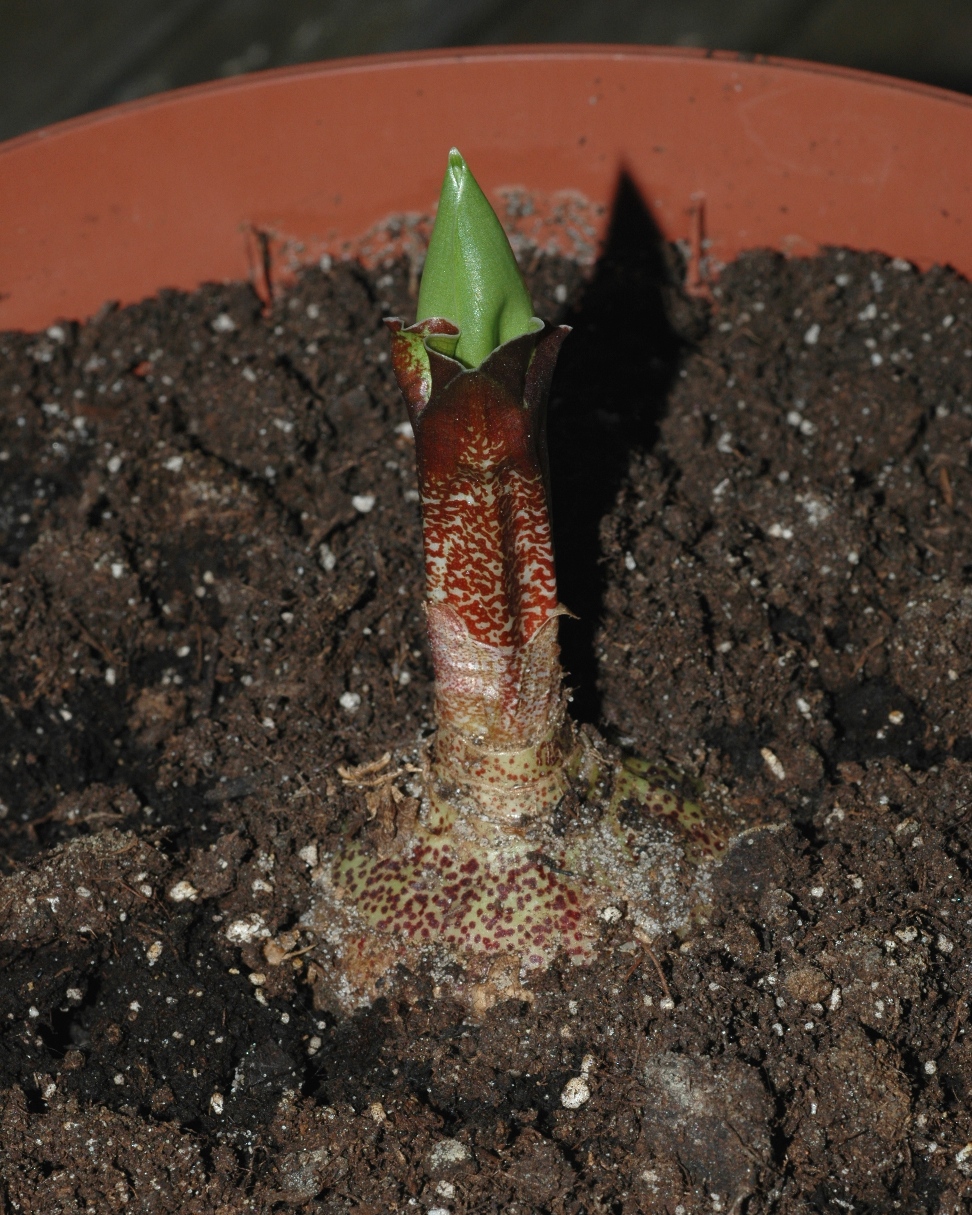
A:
(471, 277)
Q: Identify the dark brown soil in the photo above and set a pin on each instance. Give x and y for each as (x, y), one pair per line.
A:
(209, 535)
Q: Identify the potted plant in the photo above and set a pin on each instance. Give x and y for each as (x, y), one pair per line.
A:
(212, 619)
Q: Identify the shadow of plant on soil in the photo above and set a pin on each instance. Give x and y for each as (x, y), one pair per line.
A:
(608, 397)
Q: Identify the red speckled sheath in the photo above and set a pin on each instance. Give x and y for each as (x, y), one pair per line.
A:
(490, 585)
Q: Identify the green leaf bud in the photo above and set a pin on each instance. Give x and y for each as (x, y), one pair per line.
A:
(471, 277)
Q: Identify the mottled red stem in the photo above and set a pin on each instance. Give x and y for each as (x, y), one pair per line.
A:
(491, 591)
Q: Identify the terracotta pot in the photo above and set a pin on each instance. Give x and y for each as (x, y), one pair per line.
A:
(216, 182)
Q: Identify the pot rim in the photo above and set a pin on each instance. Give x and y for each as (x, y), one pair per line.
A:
(254, 176)
(526, 52)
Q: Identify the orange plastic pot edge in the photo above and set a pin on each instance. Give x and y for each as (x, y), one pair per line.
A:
(224, 180)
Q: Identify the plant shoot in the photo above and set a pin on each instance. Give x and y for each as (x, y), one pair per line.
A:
(514, 835)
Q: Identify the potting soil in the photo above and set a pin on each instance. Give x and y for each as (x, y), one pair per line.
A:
(211, 615)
